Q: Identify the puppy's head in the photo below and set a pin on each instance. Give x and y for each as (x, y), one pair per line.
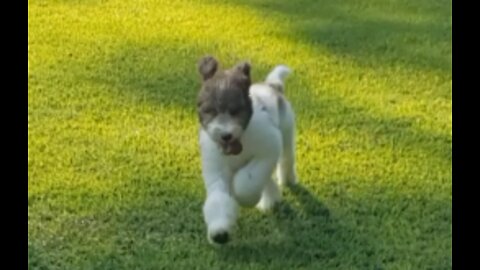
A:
(223, 104)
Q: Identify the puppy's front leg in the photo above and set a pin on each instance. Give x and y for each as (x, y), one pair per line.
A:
(220, 212)
(220, 208)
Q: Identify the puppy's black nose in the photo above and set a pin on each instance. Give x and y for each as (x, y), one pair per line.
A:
(226, 137)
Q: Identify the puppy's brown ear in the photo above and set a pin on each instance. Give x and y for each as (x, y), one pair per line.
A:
(207, 66)
(244, 67)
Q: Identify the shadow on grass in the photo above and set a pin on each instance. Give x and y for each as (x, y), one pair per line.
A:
(311, 236)
(306, 231)
(407, 33)
(368, 130)
(163, 227)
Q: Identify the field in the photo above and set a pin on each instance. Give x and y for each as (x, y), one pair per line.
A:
(113, 160)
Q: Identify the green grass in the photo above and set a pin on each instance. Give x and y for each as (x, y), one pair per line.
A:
(113, 161)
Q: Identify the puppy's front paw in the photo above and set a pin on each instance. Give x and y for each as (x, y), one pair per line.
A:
(219, 237)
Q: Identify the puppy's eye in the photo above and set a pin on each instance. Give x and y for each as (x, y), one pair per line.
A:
(234, 112)
(208, 111)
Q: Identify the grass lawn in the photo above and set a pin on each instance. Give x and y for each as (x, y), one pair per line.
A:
(113, 160)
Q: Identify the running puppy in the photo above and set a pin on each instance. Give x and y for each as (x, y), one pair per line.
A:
(247, 131)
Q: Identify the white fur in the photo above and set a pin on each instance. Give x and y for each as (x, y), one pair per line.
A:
(222, 124)
(246, 179)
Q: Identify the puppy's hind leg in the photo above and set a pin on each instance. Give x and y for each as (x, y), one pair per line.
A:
(270, 196)
(286, 174)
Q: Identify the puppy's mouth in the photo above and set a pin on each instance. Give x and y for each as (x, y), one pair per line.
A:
(233, 147)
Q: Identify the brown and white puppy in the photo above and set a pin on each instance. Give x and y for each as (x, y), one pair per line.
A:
(247, 131)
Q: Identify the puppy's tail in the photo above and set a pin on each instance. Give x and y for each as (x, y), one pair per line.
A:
(276, 78)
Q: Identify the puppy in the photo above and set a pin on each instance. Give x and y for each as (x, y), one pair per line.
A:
(247, 131)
